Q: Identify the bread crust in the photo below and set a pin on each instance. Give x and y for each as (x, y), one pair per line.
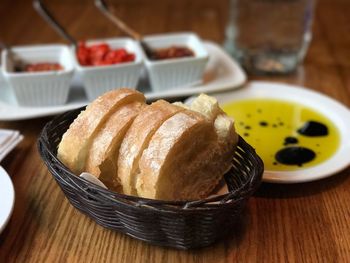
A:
(73, 148)
(137, 139)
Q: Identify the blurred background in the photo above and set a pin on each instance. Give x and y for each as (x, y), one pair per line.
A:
(21, 25)
(326, 63)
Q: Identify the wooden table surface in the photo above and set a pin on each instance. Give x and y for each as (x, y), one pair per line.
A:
(307, 222)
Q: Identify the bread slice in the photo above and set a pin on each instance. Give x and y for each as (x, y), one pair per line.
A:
(105, 146)
(73, 148)
(207, 106)
(189, 154)
(137, 139)
(164, 164)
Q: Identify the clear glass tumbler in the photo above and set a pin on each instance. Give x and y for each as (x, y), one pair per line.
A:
(269, 36)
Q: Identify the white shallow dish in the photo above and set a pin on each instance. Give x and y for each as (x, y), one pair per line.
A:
(332, 109)
(222, 73)
(7, 198)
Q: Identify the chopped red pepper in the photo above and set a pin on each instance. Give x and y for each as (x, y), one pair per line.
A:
(102, 54)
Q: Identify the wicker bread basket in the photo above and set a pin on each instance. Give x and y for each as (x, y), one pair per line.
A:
(177, 224)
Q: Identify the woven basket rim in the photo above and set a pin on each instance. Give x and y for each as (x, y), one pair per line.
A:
(221, 200)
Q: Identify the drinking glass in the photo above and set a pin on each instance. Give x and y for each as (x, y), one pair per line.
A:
(269, 36)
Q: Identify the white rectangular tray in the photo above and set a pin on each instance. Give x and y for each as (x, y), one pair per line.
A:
(222, 73)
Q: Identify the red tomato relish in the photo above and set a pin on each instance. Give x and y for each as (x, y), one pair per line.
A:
(102, 54)
(171, 53)
(39, 67)
(43, 67)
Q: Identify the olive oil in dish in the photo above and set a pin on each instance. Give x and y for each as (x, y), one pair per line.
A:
(288, 136)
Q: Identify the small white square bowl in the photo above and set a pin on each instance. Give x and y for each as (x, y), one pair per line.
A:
(4, 87)
(45, 88)
(100, 79)
(177, 72)
(6, 93)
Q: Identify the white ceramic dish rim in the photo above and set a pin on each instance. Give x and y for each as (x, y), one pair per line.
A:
(7, 198)
(113, 42)
(233, 78)
(332, 109)
(49, 47)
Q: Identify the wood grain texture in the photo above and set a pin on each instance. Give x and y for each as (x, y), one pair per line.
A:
(307, 222)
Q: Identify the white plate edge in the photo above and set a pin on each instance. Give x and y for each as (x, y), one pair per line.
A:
(6, 178)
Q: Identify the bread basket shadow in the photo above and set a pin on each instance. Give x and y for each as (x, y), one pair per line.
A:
(178, 224)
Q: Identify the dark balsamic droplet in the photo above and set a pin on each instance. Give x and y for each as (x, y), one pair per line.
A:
(280, 123)
(263, 123)
(313, 128)
(246, 134)
(248, 127)
(275, 163)
(249, 115)
(290, 140)
(295, 155)
(259, 110)
(274, 125)
(241, 123)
